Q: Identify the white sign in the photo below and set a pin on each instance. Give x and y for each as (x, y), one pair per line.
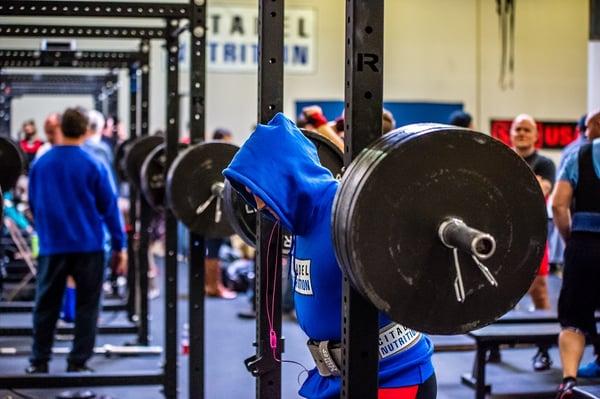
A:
(233, 39)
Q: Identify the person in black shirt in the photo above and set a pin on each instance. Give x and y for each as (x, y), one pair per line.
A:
(523, 137)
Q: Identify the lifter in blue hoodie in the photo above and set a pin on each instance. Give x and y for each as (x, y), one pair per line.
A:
(278, 168)
(71, 197)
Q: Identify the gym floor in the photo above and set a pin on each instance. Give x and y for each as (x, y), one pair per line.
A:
(229, 342)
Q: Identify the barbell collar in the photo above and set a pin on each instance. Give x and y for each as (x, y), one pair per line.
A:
(454, 233)
(217, 188)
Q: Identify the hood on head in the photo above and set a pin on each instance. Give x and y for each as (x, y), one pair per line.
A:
(281, 166)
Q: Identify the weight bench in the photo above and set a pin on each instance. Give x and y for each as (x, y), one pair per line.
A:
(509, 334)
(531, 317)
(487, 338)
(589, 392)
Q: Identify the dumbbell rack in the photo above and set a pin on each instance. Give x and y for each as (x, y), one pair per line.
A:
(113, 60)
(171, 14)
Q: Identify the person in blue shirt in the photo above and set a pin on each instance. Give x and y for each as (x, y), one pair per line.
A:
(576, 206)
(556, 245)
(278, 168)
(71, 196)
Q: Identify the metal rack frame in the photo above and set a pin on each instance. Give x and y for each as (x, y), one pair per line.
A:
(23, 58)
(171, 14)
(17, 85)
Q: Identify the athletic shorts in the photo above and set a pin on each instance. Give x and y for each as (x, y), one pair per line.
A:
(580, 296)
(426, 390)
(544, 269)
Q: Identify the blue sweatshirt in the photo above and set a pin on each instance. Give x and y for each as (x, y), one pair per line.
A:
(281, 166)
(71, 197)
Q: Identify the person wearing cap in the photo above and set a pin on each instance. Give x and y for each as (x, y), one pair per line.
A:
(313, 118)
(299, 195)
(576, 206)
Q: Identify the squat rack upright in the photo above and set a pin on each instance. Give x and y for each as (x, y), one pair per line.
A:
(363, 85)
(171, 14)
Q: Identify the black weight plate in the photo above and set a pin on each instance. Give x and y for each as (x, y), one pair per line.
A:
(243, 218)
(190, 182)
(330, 155)
(135, 155)
(152, 176)
(389, 208)
(240, 215)
(120, 151)
(11, 163)
(347, 190)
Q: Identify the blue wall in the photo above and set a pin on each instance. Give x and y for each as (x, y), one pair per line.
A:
(404, 112)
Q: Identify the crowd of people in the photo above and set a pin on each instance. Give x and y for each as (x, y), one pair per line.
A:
(81, 234)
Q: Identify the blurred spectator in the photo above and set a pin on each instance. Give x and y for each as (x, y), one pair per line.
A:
(222, 134)
(461, 119)
(53, 133)
(388, 123)
(576, 206)
(96, 147)
(30, 144)
(523, 137)
(212, 263)
(556, 244)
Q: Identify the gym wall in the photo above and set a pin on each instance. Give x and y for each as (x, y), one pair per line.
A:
(440, 51)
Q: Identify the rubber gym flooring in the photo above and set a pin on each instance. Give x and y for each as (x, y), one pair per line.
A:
(229, 342)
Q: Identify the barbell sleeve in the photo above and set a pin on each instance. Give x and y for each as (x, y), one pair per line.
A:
(454, 233)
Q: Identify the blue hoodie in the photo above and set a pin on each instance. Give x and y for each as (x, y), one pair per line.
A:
(281, 166)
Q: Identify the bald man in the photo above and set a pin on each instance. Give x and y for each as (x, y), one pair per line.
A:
(576, 207)
(523, 137)
(54, 135)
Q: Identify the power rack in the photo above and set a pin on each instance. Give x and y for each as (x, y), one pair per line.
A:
(133, 61)
(172, 14)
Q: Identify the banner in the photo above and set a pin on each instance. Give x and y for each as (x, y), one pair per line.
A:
(551, 135)
(232, 39)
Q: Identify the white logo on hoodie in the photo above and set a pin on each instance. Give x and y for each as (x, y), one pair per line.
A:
(303, 284)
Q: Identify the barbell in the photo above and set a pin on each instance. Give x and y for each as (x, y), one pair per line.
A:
(441, 228)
